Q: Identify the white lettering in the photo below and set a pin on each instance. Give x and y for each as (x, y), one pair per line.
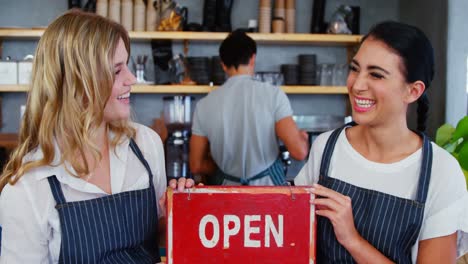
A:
(232, 225)
(276, 232)
(209, 243)
(230, 232)
(251, 230)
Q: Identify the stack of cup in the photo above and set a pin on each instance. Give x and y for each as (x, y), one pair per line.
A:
(218, 76)
(139, 14)
(290, 73)
(290, 16)
(279, 10)
(126, 15)
(277, 25)
(307, 69)
(151, 16)
(114, 10)
(101, 8)
(264, 16)
(278, 22)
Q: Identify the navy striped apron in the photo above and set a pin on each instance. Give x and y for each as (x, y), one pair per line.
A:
(389, 223)
(275, 171)
(118, 228)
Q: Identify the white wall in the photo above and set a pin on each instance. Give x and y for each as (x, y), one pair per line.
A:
(457, 56)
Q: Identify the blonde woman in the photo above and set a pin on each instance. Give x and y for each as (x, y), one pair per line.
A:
(84, 183)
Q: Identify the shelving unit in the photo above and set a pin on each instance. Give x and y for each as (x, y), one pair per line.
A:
(8, 140)
(202, 89)
(349, 41)
(325, 39)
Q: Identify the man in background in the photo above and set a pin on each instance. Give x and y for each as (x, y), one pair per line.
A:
(237, 126)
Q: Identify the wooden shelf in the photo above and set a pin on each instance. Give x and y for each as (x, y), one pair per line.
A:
(11, 88)
(9, 140)
(203, 89)
(20, 33)
(325, 39)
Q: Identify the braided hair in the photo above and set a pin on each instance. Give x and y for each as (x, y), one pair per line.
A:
(417, 54)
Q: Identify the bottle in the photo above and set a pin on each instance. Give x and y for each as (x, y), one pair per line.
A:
(318, 11)
(177, 149)
(139, 14)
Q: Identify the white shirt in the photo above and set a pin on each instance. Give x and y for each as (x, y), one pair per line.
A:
(446, 209)
(31, 226)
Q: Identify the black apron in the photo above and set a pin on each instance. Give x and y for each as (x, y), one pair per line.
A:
(118, 228)
(389, 223)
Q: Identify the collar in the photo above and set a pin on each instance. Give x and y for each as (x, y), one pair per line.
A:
(241, 76)
(117, 158)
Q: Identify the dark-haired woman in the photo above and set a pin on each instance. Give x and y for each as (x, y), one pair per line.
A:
(385, 193)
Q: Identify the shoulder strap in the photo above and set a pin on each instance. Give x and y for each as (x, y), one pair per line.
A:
(426, 168)
(142, 159)
(329, 147)
(56, 189)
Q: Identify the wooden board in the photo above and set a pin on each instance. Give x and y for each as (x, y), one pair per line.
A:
(241, 225)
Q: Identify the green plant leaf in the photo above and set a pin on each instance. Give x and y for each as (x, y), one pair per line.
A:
(463, 157)
(461, 143)
(444, 134)
(462, 129)
(450, 147)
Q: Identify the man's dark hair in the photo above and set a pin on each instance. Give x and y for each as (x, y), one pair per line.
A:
(237, 49)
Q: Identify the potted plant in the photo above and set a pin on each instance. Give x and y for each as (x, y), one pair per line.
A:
(455, 141)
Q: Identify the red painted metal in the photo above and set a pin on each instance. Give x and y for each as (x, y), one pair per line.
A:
(241, 225)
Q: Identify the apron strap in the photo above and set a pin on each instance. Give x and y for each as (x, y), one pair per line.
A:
(137, 151)
(426, 168)
(56, 190)
(275, 171)
(329, 147)
(426, 164)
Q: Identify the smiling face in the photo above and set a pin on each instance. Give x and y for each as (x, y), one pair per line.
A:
(377, 87)
(118, 105)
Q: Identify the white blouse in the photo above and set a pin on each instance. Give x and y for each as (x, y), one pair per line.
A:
(446, 209)
(30, 223)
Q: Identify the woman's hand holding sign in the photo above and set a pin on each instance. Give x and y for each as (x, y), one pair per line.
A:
(337, 208)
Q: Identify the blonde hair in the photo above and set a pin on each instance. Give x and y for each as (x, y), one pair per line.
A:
(72, 79)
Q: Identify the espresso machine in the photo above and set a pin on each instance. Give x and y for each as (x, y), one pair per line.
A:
(177, 117)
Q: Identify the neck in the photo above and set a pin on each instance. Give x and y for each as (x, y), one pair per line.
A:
(101, 138)
(241, 70)
(385, 143)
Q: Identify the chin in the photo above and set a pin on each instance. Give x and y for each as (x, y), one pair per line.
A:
(117, 117)
(361, 118)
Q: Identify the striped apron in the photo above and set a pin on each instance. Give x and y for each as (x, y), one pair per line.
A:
(118, 228)
(389, 223)
(275, 171)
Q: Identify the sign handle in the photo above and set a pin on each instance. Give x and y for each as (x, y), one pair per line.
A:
(291, 191)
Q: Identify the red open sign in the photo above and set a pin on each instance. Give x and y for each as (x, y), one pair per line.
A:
(241, 225)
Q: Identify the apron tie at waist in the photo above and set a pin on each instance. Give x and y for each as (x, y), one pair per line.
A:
(275, 171)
